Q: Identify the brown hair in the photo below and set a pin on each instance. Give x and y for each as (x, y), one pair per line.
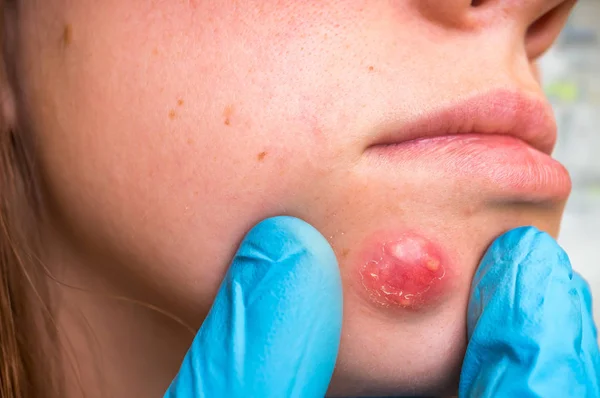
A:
(24, 302)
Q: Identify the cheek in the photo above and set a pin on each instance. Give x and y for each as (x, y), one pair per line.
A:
(165, 136)
(158, 153)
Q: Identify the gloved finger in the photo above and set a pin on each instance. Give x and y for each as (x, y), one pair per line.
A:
(525, 322)
(274, 328)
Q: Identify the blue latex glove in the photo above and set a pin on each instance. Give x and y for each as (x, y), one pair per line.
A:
(530, 324)
(274, 328)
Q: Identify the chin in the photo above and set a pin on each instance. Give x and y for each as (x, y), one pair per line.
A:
(399, 344)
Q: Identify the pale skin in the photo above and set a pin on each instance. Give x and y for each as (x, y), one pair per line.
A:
(166, 129)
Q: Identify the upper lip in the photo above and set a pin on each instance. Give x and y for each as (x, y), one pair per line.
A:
(502, 112)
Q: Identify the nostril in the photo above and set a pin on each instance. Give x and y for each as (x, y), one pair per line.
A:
(541, 23)
(542, 32)
(476, 3)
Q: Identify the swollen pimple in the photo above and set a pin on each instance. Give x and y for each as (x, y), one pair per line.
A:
(403, 270)
(432, 264)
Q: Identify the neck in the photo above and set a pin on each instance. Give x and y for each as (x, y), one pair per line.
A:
(109, 343)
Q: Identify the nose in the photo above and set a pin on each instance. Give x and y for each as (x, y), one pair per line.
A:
(538, 21)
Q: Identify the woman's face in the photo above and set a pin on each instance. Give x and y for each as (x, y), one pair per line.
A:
(165, 129)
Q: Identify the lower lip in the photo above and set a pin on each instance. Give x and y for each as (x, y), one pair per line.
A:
(503, 163)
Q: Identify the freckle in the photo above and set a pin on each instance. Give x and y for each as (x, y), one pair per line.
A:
(227, 112)
(371, 68)
(261, 156)
(67, 36)
(189, 141)
(179, 102)
(344, 253)
(155, 51)
(172, 114)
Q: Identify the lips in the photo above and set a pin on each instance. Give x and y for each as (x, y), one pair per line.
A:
(499, 143)
(501, 112)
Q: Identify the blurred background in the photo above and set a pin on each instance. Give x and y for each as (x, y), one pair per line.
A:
(571, 77)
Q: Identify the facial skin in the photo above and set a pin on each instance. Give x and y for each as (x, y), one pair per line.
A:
(165, 129)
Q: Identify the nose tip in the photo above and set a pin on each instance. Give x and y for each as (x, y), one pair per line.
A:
(537, 22)
(479, 13)
(546, 26)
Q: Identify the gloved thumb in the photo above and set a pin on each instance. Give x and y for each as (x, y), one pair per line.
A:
(530, 323)
(274, 328)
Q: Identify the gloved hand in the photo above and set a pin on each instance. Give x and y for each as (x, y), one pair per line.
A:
(530, 326)
(270, 333)
(274, 328)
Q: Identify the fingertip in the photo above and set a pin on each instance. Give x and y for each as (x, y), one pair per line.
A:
(525, 239)
(290, 231)
(288, 244)
(518, 270)
(528, 248)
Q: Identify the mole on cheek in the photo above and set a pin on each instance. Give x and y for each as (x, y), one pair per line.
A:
(67, 35)
(227, 113)
(344, 253)
(261, 156)
(172, 113)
